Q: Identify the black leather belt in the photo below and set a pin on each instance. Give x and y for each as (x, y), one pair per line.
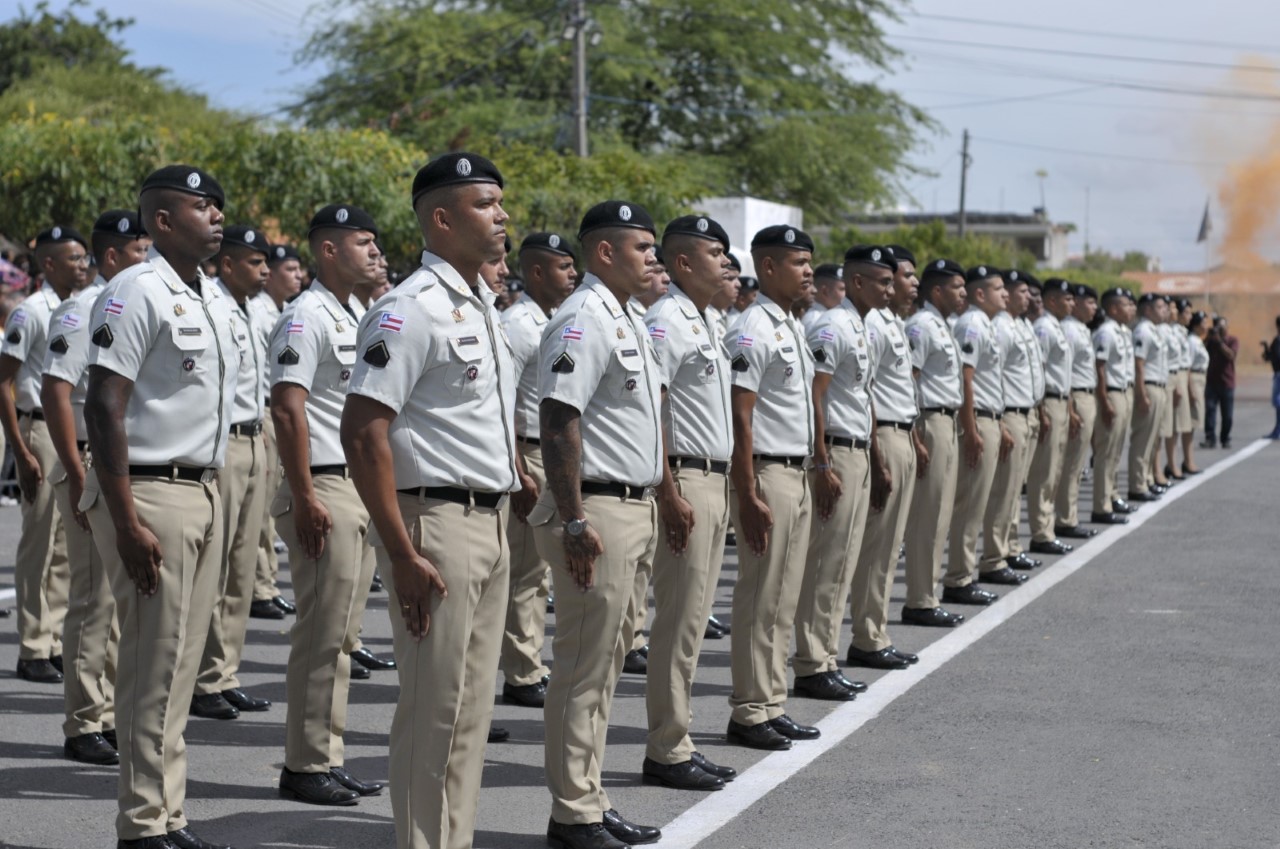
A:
(946, 411)
(1153, 383)
(1115, 389)
(194, 474)
(988, 414)
(617, 490)
(1074, 391)
(1198, 371)
(846, 442)
(38, 415)
(1057, 396)
(776, 458)
(529, 440)
(246, 429)
(456, 494)
(1021, 411)
(718, 467)
(896, 425)
(340, 470)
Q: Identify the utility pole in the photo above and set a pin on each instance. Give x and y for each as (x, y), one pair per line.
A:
(964, 176)
(1086, 222)
(580, 77)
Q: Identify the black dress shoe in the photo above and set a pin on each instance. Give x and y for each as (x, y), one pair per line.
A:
(109, 734)
(525, 695)
(792, 730)
(711, 632)
(760, 736)
(284, 605)
(213, 706)
(910, 658)
(349, 781)
(551, 603)
(823, 686)
(1108, 519)
(265, 609)
(1053, 546)
(930, 617)
(591, 836)
(1022, 560)
(682, 776)
(1142, 497)
(1074, 532)
(719, 623)
(359, 673)
(628, 832)
(242, 701)
(724, 773)
(1122, 507)
(498, 735)
(635, 663)
(971, 594)
(161, 841)
(41, 671)
(91, 748)
(185, 838)
(371, 661)
(375, 586)
(315, 788)
(1004, 575)
(56, 660)
(855, 686)
(883, 659)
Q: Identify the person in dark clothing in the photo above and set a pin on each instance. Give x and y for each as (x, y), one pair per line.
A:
(1271, 353)
(1220, 383)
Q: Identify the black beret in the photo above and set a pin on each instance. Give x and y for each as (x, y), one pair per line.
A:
(657, 255)
(1032, 281)
(748, 283)
(947, 267)
(344, 217)
(981, 272)
(828, 271)
(1013, 276)
(872, 255)
(1168, 299)
(1113, 293)
(58, 234)
(616, 213)
(514, 284)
(1128, 293)
(453, 169)
(1057, 284)
(185, 178)
(549, 242)
(1184, 304)
(246, 236)
(901, 254)
(700, 226)
(782, 236)
(1149, 298)
(1083, 291)
(734, 261)
(280, 253)
(120, 222)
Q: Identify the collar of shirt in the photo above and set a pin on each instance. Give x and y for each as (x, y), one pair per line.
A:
(175, 283)
(934, 312)
(450, 277)
(527, 306)
(222, 290)
(329, 301)
(593, 282)
(687, 307)
(771, 308)
(49, 294)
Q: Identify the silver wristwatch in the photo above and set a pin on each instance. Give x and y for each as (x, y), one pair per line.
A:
(575, 527)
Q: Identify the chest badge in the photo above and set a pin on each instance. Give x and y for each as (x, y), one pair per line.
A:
(696, 330)
(346, 375)
(472, 372)
(189, 364)
(631, 381)
(777, 336)
(457, 314)
(340, 327)
(179, 310)
(622, 333)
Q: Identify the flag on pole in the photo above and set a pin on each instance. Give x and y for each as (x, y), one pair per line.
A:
(1206, 225)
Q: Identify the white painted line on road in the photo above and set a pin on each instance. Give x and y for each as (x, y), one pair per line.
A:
(718, 809)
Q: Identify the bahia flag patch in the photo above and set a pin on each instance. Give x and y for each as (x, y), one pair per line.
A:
(745, 341)
(293, 327)
(115, 306)
(656, 332)
(391, 321)
(573, 334)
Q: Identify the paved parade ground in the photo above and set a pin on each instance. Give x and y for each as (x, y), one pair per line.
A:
(1127, 695)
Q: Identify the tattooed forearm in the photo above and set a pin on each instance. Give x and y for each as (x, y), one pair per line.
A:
(562, 455)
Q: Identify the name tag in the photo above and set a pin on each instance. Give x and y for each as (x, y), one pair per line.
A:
(189, 331)
(468, 340)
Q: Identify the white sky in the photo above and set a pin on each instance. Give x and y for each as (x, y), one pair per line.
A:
(1160, 154)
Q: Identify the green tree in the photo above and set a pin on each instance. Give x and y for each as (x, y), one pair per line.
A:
(932, 241)
(41, 39)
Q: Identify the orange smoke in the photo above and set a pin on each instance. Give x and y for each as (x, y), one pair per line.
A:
(1250, 191)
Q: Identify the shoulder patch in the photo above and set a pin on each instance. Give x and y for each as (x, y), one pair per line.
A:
(59, 344)
(102, 337)
(819, 354)
(967, 347)
(288, 357)
(739, 363)
(14, 337)
(377, 354)
(563, 364)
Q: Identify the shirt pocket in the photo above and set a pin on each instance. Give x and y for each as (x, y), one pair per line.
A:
(623, 375)
(707, 363)
(784, 368)
(468, 370)
(190, 344)
(346, 357)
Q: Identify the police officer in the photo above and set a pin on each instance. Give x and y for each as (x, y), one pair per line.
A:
(312, 351)
(596, 520)
(1197, 329)
(161, 380)
(1037, 423)
(41, 574)
(1177, 412)
(772, 396)
(983, 437)
(1051, 448)
(828, 293)
(547, 265)
(936, 367)
(90, 634)
(1151, 376)
(893, 443)
(1113, 358)
(1082, 412)
(1183, 422)
(428, 428)
(242, 484)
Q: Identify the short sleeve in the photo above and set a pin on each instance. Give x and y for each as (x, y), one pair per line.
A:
(969, 338)
(1103, 343)
(920, 342)
(667, 349)
(295, 349)
(524, 341)
(393, 346)
(572, 359)
(748, 357)
(1140, 344)
(18, 334)
(123, 326)
(68, 353)
(828, 344)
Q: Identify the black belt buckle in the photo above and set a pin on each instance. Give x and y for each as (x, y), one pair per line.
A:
(903, 426)
(702, 464)
(988, 414)
(338, 470)
(846, 442)
(625, 491)
(246, 429)
(1057, 396)
(173, 472)
(789, 461)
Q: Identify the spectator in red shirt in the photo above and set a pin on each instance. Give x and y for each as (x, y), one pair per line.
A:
(1220, 383)
(1271, 353)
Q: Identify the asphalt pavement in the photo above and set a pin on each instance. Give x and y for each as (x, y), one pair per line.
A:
(1131, 698)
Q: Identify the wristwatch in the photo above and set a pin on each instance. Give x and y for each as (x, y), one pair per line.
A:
(575, 527)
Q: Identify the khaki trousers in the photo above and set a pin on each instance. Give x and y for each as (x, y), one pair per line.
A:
(973, 489)
(638, 608)
(932, 502)
(1108, 443)
(1165, 425)
(684, 587)
(1182, 420)
(1077, 450)
(766, 594)
(1012, 540)
(268, 568)
(41, 574)
(878, 557)
(330, 594)
(1046, 470)
(1195, 393)
(91, 635)
(161, 641)
(441, 722)
(588, 646)
(829, 564)
(242, 485)
(526, 619)
(1000, 521)
(1145, 431)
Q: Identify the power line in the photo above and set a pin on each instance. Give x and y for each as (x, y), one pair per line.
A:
(1100, 155)
(1013, 98)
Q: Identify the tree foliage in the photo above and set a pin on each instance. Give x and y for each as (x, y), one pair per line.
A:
(931, 241)
(40, 39)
